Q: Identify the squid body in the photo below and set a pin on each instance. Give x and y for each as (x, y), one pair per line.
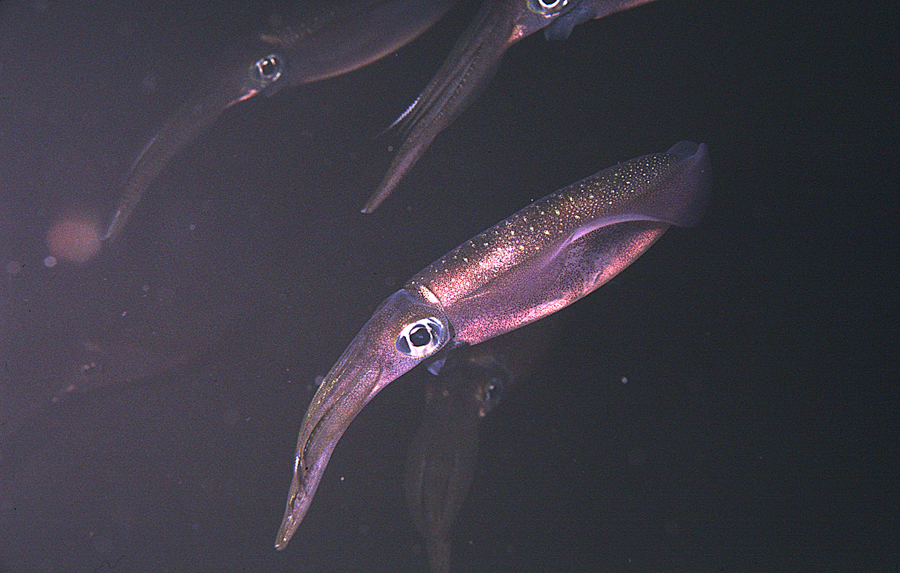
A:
(532, 264)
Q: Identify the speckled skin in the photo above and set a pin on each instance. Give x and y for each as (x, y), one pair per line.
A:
(561, 247)
(532, 264)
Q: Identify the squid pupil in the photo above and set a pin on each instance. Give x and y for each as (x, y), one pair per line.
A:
(267, 66)
(420, 335)
(267, 69)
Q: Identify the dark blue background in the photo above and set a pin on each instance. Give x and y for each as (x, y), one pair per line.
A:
(757, 428)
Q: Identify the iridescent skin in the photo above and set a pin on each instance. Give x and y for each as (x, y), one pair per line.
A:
(471, 65)
(329, 38)
(539, 260)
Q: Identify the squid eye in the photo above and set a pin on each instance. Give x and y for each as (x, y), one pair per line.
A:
(267, 70)
(421, 337)
(546, 7)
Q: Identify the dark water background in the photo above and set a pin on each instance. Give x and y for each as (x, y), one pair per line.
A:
(756, 431)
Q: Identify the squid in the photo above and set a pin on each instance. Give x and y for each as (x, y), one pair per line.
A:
(530, 265)
(440, 466)
(331, 38)
(473, 62)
